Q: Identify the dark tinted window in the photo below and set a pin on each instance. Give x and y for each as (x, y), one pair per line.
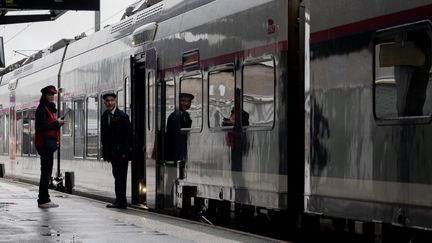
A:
(403, 72)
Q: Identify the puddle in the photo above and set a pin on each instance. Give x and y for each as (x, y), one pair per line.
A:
(52, 233)
(5, 204)
(28, 220)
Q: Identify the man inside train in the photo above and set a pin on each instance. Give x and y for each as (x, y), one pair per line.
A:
(116, 138)
(176, 140)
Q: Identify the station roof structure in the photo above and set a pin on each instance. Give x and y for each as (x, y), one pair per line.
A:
(20, 11)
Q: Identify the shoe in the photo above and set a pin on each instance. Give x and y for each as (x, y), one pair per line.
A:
(48, 205)
(117, 205)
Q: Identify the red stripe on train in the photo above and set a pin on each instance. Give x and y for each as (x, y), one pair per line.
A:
(373, 24)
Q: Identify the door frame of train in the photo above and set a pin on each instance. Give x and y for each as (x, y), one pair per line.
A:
(138, 74)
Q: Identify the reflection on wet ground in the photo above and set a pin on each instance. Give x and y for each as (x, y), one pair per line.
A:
(85, 220)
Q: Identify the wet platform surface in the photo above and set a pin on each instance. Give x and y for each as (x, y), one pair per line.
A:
(81, 219)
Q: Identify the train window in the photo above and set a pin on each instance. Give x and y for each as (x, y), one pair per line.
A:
(19, 132)
(151, 102)
(128, 96)
(92, 127)
(3, 134)
(79, 114)
(6, 136)
(191, 85)
(26, 133)
(170, 98)
(31, 115)
(402, 73)
(221, 97)
(67, 111)
(121, 100)
(258, 93)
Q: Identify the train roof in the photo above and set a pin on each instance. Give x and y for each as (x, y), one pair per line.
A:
(157, 12)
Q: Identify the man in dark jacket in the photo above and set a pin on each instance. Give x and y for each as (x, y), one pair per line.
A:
(176, 139)
(116, 137)
(46, 141)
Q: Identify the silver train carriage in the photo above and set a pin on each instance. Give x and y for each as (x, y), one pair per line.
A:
(369, 106)
(228, 57)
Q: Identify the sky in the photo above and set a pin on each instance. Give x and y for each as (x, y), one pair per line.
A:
(28, 38)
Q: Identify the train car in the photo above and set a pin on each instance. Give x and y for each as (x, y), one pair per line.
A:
(369, 108)
(233, 58)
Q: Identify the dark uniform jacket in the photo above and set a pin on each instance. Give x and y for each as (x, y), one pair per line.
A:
(46, 130)
(175, 139)
(116, 137)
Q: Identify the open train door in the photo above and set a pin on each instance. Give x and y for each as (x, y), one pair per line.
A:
(138, 102)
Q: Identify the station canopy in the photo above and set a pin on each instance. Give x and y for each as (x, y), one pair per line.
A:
(24, 11)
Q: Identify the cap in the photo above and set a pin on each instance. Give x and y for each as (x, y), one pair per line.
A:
(109, 95)
(187, 95)
(50, 89)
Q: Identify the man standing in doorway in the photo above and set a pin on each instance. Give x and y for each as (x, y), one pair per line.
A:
(116, 137)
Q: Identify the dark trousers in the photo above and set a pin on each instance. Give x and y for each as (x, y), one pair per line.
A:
(46, 157)
(119, 170)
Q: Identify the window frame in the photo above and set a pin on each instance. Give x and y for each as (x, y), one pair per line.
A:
(19, 132)
(253, 61)
(167, 78)
(183, 76)
(118, 90)
(80, 98)
(87, 98)
(25, 116)
(127, 88)
(64, 102)
(388, 32)
(5, 134)
(215, 69)
(32, 112)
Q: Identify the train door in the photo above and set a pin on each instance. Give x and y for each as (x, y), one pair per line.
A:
(159, 174)
(151, 139)
(137, 106)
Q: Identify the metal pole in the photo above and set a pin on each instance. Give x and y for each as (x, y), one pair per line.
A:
(59, 107)
(97, 21)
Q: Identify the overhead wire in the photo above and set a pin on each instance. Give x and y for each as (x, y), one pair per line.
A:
(110, 17)
(18, 33)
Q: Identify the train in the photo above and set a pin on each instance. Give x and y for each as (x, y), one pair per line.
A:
(334, 99)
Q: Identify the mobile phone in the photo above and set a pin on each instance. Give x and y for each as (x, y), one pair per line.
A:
(64, 115)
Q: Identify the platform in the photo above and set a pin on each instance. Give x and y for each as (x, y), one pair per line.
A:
(80, 219)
